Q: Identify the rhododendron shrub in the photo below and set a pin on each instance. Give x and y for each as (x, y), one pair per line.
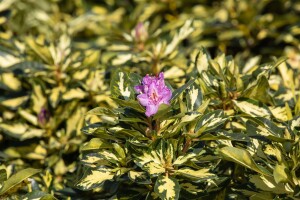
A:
(192, 141)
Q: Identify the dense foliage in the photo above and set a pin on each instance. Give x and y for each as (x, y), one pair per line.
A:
(71, 119)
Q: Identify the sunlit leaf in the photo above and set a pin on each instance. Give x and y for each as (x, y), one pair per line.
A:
(242, 157)
(18, 178)
(95, 178)
(167, 188)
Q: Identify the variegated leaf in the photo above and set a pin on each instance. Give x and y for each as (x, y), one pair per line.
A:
(202, 60)
(120, 86)
(95, 144)
(191, 188)
(94, 160)
(185, 119)
(280, 173)
(242, 157)
(295, 124)
(21, 131)
(252, 107)
(139, 177)
(258, 90)
(154, 168)
(266, 128)
(17, 178)
(265, 183)
(180, 90)
(93, 178)
(130, 104)
(195, 175)
(156, 161)
(126, 133)
(210, 121)
(183, 159)
(167, 188)
(13, 103)
(193, 97)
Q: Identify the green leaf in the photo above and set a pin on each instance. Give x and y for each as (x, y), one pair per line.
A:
(183, 159)
(21, 131)
(38, 98)
(154, 168)
(95, 144)
(55, 96)
(185, 119)
(139, 177)
(242, 157)
(224, 136)
(41, 51)
(209, 122)
(156, 158)
(195, 175)
(3, 176)
(93, 160)
(183, 33)
(167, 188)
(105, 114)
(295, 124)
(280, 174)
(130, 104)
(120, 151)
(8, 60)
(94, 178)
(202, 60)
(9, 82)
(266, 128)
(38, 195)
(73, 93)
(125, 133)
(267, 184)
(164, 111)
(180, 90)
(252, 107)
(13, 103)
(29, 117)
(191, 188)
(18, 178)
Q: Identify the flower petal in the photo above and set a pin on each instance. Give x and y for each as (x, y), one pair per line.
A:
(151, 110)
(166, 95)
(139, 88)
(153, 92)
(143, 99)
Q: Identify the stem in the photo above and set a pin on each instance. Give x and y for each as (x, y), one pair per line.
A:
(157, 126)
(149, 123)
(186, 145)
(151, 136)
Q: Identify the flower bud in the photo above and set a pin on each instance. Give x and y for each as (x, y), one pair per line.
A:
(43, 117)
(141, 33)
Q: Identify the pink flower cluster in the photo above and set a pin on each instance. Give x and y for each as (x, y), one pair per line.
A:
(153, 93)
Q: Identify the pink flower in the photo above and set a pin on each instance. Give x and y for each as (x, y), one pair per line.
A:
(153, 92)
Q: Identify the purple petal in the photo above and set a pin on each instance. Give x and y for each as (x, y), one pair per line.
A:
(161, 76)
(138, 88)
(152, 89)
(143, 99)
(153, 92)
(151, 110)
(166, 99)
(147, 80)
